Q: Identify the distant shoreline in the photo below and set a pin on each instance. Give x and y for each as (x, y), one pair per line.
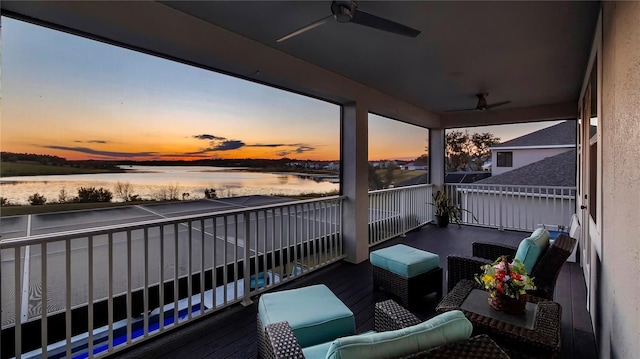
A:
(20, 169)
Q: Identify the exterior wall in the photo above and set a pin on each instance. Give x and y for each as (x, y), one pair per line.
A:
(619, 297)
(522, 157)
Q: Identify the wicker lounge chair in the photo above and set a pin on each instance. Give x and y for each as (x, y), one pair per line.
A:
(545, 271)
(388, 316)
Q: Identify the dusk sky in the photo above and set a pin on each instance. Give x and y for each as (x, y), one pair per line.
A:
(81, 99)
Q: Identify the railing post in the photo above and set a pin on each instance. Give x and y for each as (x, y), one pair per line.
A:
(246, 298)
(403, 213)
(500, 224)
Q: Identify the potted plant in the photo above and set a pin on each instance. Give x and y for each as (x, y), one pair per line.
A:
(447, 211)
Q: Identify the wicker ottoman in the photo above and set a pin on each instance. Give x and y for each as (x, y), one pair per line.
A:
(406, 272)
(314, 313)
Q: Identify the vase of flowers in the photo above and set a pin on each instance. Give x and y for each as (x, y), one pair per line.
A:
(507, 284)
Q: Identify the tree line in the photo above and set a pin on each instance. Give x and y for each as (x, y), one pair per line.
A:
(85, 195)
(464, 151)
(468, 151)
(32, 157)
(50, 160)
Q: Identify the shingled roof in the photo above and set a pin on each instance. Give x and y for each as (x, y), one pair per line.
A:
(561, 134)
(558, 170)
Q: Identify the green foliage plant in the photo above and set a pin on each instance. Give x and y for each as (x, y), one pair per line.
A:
(92, 195)
(37, 199)
(444, 206)
(468, 151)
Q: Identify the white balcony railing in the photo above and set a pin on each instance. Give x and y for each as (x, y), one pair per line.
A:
(395, 211)
(93, 292)
(514, 207)
(133, 282)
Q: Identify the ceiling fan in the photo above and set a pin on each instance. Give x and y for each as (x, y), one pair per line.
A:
(347, 11)
(482, 104)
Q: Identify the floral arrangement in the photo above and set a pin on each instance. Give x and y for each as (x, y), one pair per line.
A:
(505, 278)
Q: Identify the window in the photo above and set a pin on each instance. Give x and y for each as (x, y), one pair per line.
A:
(505, 159)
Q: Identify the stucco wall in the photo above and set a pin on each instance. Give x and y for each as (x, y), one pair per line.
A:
(523, 157)
(620, 277)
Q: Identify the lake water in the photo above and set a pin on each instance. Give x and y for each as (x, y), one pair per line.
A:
(149, 182)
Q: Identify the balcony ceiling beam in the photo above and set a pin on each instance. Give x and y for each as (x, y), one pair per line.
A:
(558, 111)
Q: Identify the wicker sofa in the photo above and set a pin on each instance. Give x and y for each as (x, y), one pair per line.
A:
(545, 271)
(389, 316)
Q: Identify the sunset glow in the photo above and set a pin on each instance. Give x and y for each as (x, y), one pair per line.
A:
(80, 99)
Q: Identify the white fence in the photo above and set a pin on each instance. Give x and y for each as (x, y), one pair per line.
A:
(93, 292)
(395, 211)
(514, 207)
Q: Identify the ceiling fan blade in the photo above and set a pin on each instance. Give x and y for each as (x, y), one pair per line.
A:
(363, 18)
(498, 104)
(465, 110)
(305, 28)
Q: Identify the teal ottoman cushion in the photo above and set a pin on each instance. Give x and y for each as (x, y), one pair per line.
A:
(314, 313)
(532, 247)
(404, 260)
(443, 329)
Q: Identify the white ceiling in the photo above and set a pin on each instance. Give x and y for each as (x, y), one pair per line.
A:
(531, 53)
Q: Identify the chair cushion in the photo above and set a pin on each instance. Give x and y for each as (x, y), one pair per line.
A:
(532, 247)
(320, 351)
(443, 329)
(404, 260)
(314, 313)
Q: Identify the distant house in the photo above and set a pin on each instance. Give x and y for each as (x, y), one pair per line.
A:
(533, 186)
(333, 166)
(383, 164)
(533, 147)
(416, 165)
(486, 166)
(554, 171)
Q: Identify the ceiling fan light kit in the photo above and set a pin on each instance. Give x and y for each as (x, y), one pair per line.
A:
(347, 11)
(343, 13)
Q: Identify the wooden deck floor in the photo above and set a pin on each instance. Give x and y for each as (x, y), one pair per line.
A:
(231, 333)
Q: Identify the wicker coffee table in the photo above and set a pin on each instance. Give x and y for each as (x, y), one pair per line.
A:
(536, 334)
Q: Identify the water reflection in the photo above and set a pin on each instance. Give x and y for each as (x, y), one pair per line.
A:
(149, 181)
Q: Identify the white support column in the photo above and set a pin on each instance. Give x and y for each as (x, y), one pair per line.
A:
(436, 156)
(355, 182)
